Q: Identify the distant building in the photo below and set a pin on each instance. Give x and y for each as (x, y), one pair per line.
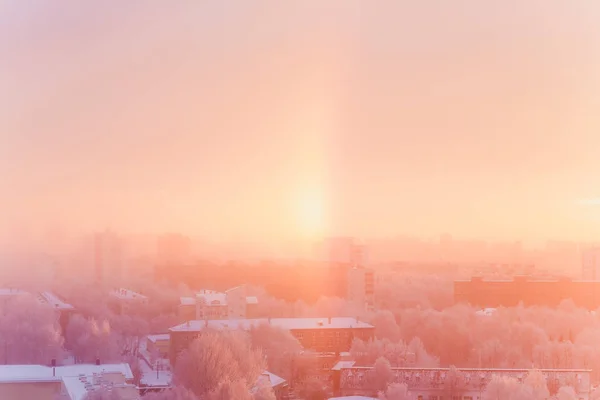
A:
(109, 258)
(210, 304)
(488, 293)
(66, 310)
(333, 335)
(125, 301)
(73, 382)
(158, 345)
(432, 383)
(590, 264)
(361, 288)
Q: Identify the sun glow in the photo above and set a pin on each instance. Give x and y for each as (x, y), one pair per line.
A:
(310, 213)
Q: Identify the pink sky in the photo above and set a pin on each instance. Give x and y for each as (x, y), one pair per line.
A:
(241, 119)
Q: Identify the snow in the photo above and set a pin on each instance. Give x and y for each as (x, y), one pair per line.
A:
(11, 292)
(41, 373)
(187, 301)
(284, 323)
(273, 379)
(353, 398)
(126, 294)
(56, 302)
(342, 365)
(149, 377)
(157, 338)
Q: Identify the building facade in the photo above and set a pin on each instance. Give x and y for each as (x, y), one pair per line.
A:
(438, 383)
(234, 303)
(333, 335)
(361, 288)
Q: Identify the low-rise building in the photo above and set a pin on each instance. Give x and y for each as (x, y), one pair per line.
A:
(324, 335)
(211, 304)
(125, 301)
(73, 382)
(435, 383)
(158, 345)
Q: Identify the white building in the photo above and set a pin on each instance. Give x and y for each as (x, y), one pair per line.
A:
(590, 265)
(209, 304)
(72, 382)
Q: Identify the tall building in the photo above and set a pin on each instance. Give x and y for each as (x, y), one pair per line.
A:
(234, 303)
(590, 264)
(361, 288)
(108, 260)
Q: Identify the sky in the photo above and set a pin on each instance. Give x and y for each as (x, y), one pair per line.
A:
(270, 119)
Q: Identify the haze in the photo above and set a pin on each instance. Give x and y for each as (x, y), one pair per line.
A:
(275, 120)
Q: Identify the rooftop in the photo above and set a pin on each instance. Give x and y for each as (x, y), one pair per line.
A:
(42, 373)
(55, 301)
(155, 338)
(353, 398)
(127, 294)
(270, 379)
(284, 323)
(11, 292)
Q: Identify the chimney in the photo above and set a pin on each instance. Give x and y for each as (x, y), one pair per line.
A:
(97, 361)
(329, 320)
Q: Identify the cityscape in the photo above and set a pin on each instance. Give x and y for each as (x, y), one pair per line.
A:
(299, 200)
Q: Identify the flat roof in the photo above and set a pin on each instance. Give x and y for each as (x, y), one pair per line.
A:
(284, 323)
(42, 373)
(161, 336)
(418, 369)
(127, 294)
(55, 301)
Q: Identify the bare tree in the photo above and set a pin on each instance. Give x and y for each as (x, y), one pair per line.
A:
(218, 357)
(396, 391)
(278, 345)
(29, 333)
(382, 374)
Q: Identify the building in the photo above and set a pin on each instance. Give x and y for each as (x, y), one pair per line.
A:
(333, 335)
(125, 301)
(590, 264)
(108, 258)
(73, 382)
(361, 288)
(65, 310)
(487, 293)
(158, 345)
(278, 384)
(436, 383)
(210, 304)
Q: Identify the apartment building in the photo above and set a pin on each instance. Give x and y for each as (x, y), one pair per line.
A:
(436, 384)
(73, 382)
(333, 335)
(361, 288)
(125, 301)
(210, 304)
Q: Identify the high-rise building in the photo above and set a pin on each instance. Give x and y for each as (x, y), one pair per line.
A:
(361, 288)
(590, 264)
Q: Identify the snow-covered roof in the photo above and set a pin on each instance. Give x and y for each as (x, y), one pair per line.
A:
(214, 298)
(342, 365)
(284, 323)
(11, 292)
(187, 301)
(353, 398)
(77, 387)
(42, 373)
(486, 312)
(55, 301)
(270, 378)
(211, 297)
(159, 337)
(127, 294)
